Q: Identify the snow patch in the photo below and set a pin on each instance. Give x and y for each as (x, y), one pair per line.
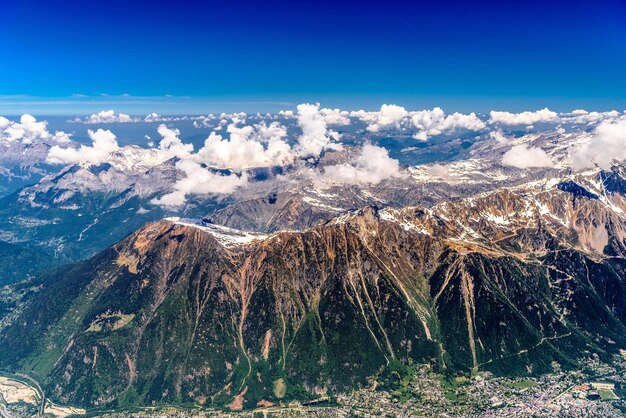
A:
(228, 237)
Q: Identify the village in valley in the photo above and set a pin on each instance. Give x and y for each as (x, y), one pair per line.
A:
(596, 390)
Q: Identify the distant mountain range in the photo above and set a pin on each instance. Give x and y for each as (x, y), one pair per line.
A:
(73, 212)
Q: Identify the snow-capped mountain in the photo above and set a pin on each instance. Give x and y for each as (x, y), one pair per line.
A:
(86, 206)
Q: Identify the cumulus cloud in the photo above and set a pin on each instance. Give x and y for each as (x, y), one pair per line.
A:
(427, 122)
(28, 130)
(209, 121)
(435, 122)
(608, 144)
(104, 143)
(336, 117)
(524, 156)
(205, 121)
(262, 145)
(523, 118)
(315, 136)
(172, 144)
(155, 117)
(246, 147)
(372, 165)
(249, 146)
(389, 117)
(583, 117)
(286, 113)
(364, 115)
(198, 181)
(107, 116)
(498, 136)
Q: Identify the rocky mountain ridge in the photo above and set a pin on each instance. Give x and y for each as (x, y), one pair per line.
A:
(514, 281)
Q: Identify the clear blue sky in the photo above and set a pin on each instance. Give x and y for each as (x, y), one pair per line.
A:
(263, 55)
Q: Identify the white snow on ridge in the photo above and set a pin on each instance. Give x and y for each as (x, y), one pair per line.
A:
(315, 202)
(228, 237)
(392, 215)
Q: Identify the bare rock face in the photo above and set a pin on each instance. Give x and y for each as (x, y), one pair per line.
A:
(509, 281)
(275, 212)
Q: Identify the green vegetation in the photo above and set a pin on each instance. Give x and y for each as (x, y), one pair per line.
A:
(396, 378)
(607, 394)
(451, 384)
(523, 384)
(110, 321)
(451, 396)
(17, 262)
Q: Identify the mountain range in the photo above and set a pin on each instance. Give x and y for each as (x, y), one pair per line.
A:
(514, 281)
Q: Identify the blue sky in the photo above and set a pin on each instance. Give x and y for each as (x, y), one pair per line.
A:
(195, 57)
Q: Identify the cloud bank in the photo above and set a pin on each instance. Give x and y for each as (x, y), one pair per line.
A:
(523, 118)
(249, 146)
(389, 117)
(106, 116)
(198, 181)
(239, 141)
(372, 165)
(524, 156)
(103, 144)
(425, 123)
(435, 122)
(607, 144)
(258, 145)
(28, 131)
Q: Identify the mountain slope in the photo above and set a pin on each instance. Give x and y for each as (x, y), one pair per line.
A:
(18, 262)
(510, 282)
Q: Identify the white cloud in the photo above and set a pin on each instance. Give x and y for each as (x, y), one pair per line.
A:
(155, 117)
(439, 171)
(198, 181)
(249, 146)
(583, 117)
(286, 113)
(523, 118)
(258, 145)
(152, 117)
(389, 117)
(336, 117)
(608, 144)
(498, 136)
(364, 115)
(104, 143)
(427, 122)
(523, 156)
(172, 144)
(28, 131)
(435, 122)
(315, 136)
(371, 166)
(205, 121)
(107, 116)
